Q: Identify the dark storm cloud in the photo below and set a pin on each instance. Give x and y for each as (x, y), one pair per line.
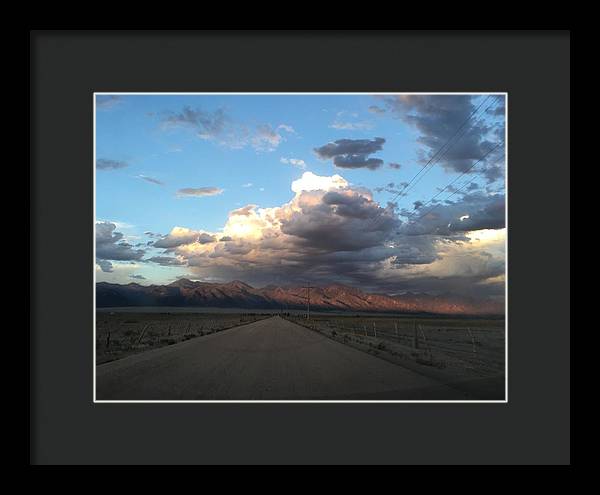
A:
(350, 147)
(341, 222)
(111, 246)
(105, 164)
(472, 212)
(352, 153)
(186, 236)
(357, 161)
(342, 236)
(351, 205)
(420, 250)
(438, 117)
(105, 266)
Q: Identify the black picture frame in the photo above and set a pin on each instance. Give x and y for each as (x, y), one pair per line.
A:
(67, 67)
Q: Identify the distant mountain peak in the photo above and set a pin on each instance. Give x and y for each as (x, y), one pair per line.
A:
(184, 282)
(238, 284)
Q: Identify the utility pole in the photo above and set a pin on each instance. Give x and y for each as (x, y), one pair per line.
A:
(308, 287)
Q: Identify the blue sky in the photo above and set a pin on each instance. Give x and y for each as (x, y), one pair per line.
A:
(229, 151)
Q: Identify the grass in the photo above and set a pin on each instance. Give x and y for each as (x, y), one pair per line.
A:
(122, 334)
(471, 347)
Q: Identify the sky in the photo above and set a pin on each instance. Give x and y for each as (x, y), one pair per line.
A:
(389, 193)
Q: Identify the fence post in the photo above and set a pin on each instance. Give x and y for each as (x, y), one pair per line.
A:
(365, 329)
(415, 335)
(108, 340)
(374, 330)
(142, 334)
(472, 341)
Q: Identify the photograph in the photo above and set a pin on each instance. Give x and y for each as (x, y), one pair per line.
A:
(300, 247)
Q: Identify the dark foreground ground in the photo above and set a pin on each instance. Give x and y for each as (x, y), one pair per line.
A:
(271, 359)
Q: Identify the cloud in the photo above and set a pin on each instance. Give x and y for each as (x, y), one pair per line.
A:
(105, 164)
(331, 231)
(437, 119)
(199, 191)
(105, 102)
(111, 246)
(248, 184)
(152, 180)
(181, 235)
(357, 161)
(472, 212)
(286, 128)
(296, 162)
(105, 265)
(219, 127)
(351, 126)
(393, 188)
(166, 261)
(265, 138)
(313, 182)
(207, 125)
(376, 109)
(395, 166)
(352, 153)
(137, 277)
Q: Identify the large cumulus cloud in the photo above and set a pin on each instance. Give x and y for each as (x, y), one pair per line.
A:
(331, 231)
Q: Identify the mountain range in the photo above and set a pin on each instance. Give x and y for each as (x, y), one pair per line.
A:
(236, 294)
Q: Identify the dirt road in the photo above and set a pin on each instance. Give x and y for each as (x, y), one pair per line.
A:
(271, 359)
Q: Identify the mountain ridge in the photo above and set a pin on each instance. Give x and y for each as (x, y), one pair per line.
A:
(237, 294)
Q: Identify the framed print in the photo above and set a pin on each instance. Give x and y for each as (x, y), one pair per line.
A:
(310, 247)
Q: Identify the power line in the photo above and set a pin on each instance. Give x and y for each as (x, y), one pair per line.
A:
(455, 191)
(447, 149)
(442, 147)
(467, 171)
(436, 156)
